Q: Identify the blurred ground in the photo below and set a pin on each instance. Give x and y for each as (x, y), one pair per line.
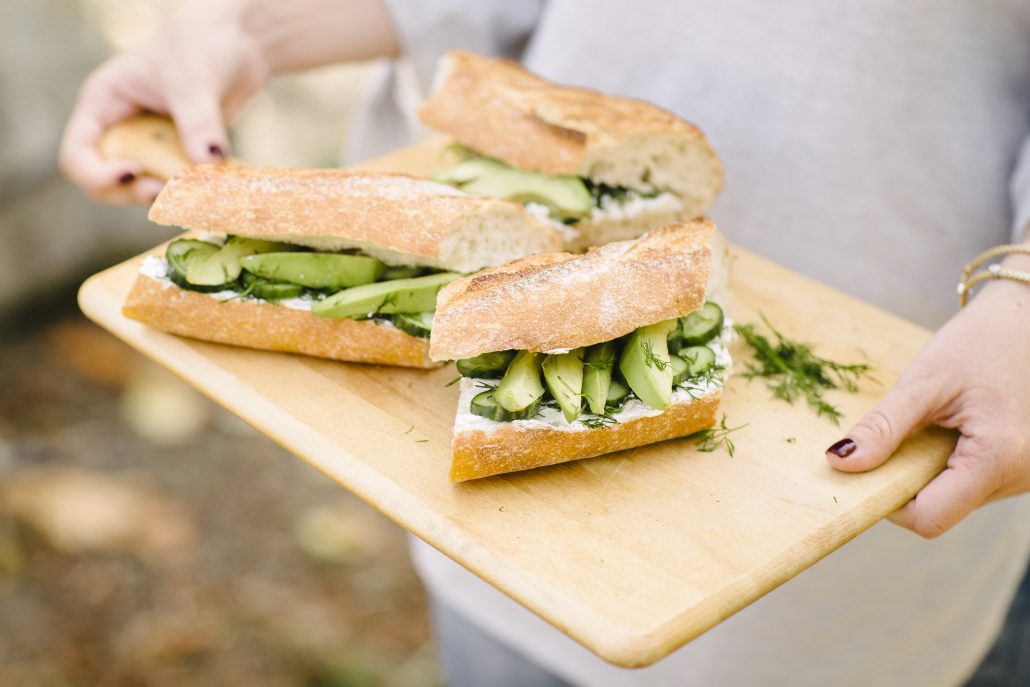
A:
(149, 538)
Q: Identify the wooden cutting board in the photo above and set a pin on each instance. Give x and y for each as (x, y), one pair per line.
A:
(709, 533)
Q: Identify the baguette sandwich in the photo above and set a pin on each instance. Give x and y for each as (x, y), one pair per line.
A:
(330, 263)
(567, 356)
(599, 168)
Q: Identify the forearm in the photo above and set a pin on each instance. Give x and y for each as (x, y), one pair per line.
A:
(300, 34)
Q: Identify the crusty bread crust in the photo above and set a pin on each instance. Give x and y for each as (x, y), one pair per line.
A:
(600, 232)
(563, 301)
(400, 219)
(510, 448)
(266, 326)
(497, 108)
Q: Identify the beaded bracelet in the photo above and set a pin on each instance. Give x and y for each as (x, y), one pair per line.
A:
(993, 271)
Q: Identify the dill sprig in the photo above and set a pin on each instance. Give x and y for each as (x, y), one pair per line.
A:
(708, 440)
(600, 421)
(650, 358)
(698, 384)
(794, 371)
(601, 364)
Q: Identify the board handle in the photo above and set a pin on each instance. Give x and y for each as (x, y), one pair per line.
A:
(149, 140)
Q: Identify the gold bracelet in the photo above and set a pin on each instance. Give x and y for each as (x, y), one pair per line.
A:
(994, 271)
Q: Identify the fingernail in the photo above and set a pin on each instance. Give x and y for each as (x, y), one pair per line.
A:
(843, 448)
(126, 178)
(216, 150)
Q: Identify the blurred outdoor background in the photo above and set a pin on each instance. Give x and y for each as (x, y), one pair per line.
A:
(146, 536)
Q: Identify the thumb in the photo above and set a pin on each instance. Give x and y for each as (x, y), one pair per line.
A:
(198, 118)
(912, 400)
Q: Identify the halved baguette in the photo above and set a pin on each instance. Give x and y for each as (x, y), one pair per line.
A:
(500, 110)
(267, 326)
(401, 220)
(559, 302)
(563, 301)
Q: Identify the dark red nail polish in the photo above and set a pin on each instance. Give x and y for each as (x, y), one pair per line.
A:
(216, 150)
(126, 178)
(843, 448)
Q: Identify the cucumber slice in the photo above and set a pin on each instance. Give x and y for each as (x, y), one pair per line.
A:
(521, 387)
(387, 297)
(617, 394)
(702, 325)
(268, 290)
(316, 270)
(486, 365)
(485, 405)
(679, 368)
(180, 253)
(698, 359)
(416, 324)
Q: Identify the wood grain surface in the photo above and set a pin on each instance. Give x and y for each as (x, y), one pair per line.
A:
(674, 540)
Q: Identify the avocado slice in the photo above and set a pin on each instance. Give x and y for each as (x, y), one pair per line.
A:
(414, 295)
(485, 365)
(617, 395)
(563, 373)
(223, 266)
(466, 171)
(598, 364)
(520, 387)
(316, 270)
(258, 287)
(645, 364)
(566, 196)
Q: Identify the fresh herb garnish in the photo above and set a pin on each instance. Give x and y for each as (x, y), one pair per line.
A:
(697, 386)
(390, 299)
(707, 440)
(601, 364)
(453, 381)
(600, 421)
(794, 371)
(650, 359)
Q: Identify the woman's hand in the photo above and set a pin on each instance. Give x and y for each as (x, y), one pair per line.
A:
(200, 68)
(974, 376)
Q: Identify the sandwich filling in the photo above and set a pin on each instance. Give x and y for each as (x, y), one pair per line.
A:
(327, 284)
(635, 376)
(559, 201)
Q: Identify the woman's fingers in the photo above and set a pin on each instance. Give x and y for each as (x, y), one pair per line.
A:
(966, 483)
(198, 117)
(79, 158)
(142, 191)
(912, 401)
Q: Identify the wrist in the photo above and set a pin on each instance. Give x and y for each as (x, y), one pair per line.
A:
(301, 34)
